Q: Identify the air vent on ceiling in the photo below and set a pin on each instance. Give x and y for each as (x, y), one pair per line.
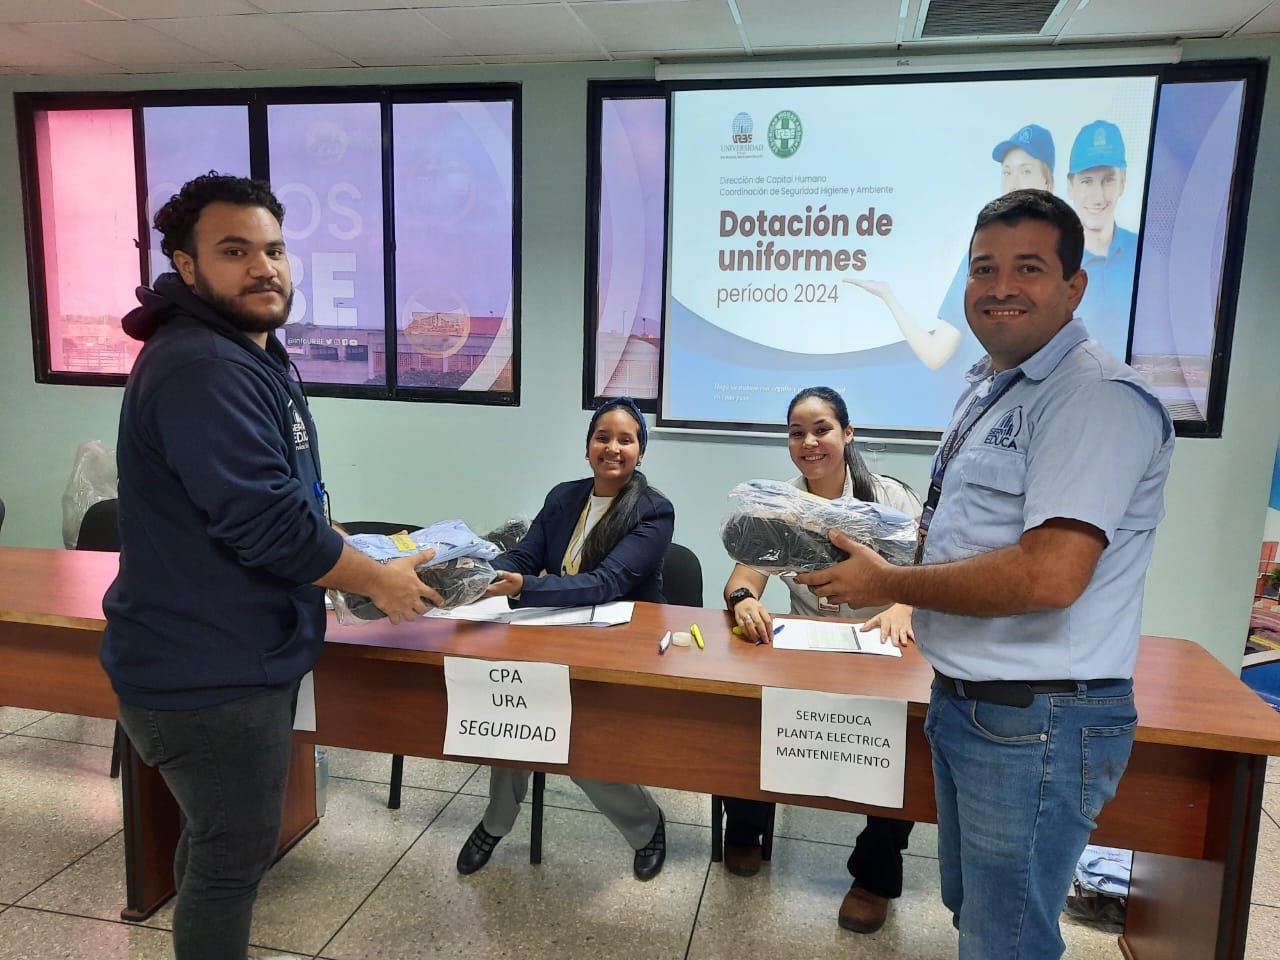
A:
(985, 18)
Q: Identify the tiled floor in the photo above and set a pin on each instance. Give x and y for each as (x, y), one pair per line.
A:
(375, 884)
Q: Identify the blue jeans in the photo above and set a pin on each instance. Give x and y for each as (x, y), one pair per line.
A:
(226, 766)
(1018, 791)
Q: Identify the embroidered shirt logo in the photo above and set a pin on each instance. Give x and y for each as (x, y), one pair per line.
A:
(301, 439)
(1006, 430)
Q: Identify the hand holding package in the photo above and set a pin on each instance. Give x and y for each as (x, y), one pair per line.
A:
(778, 528)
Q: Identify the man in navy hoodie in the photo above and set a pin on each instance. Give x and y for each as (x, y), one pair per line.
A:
(218, 610)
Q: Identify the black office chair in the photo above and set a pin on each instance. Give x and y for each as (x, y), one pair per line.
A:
(682, 587)
(682, 577)
(100, 528)
(387, 530)
(100, 532)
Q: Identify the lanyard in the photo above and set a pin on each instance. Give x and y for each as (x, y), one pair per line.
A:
(950, 447)
(573, 553)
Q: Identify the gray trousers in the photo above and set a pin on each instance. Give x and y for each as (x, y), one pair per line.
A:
(630, 808)
(227, 766)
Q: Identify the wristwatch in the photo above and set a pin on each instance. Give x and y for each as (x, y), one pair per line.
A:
(742, 593)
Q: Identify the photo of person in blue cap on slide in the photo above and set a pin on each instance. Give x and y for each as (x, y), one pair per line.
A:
(1095, 184)
(1026, 162)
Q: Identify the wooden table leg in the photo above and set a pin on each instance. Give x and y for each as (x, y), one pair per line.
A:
(1179, 907)
(153, 822)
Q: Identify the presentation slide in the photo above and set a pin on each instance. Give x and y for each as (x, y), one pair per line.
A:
(819, 235)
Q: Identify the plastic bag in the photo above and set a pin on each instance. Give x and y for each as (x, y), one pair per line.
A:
(93, 478)
(778, 528)
(508, 533)
(456, 581)
(459, 581)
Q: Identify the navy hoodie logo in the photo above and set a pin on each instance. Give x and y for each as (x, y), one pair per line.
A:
(301, 439)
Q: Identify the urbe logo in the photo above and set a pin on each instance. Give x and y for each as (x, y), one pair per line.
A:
(742, 127)
(785, 133)
(1005, 432)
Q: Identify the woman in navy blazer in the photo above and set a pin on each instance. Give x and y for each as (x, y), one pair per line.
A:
(595, 540)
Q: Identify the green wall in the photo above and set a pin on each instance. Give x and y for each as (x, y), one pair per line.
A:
(432, 461)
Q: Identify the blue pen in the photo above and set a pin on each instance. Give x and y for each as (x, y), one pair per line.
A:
(776, 630)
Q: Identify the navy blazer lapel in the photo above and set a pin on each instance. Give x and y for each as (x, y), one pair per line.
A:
(575, 498)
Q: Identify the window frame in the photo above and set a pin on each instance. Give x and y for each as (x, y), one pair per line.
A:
(1253, 73)
(257, 100)
(597, 92)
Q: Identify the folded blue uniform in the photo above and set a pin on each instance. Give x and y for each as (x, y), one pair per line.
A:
(459, 571)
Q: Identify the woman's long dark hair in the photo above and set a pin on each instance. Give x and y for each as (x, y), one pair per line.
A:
(616, 522)
(620, 516)
(862, 484)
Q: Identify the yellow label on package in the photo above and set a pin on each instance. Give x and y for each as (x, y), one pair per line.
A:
(404, 542)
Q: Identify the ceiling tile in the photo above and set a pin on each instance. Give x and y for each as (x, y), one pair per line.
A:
(326, 6)
(254, 41)
(661, 25)
(494, 58)
(466, 61)
(387, 38)
(727, 52)
(166, 9)
(21, 50)
(542, 29)
(116, 41)
(436, 4)
(183, 68)
(819, 23)
(1157, 18)
(27, 11)
(1268, 21)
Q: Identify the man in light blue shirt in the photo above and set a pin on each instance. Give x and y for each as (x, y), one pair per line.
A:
(1046, 492)
(1095, 183)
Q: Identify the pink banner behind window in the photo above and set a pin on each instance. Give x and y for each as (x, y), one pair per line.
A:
(89, 218)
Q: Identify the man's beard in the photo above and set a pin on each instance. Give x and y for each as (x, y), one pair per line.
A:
(242, 321)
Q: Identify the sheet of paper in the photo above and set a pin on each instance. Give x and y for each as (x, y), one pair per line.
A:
(496, 610)
(833, 745)
(800, 634)
(304, 717)
(508, 710)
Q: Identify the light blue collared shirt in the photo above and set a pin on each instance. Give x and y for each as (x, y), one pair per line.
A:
(1108, 299)
(1077, 436)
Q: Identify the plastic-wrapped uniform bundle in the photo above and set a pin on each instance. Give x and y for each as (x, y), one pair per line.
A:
(778, 528)
(459, 571)
(508, 533)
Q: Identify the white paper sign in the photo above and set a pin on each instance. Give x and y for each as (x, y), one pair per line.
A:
(508, 710)
(304, 716)
(833, 745)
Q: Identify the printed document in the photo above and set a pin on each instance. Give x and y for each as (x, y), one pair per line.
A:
(799, 634)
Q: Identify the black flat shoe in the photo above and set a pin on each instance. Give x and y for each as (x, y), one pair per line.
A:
(475, 853)
(650, 857)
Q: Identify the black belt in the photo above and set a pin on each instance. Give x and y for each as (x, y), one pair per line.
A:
(1014, 693)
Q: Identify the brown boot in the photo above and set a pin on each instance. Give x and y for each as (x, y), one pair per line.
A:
(743, 859)
(863, 911)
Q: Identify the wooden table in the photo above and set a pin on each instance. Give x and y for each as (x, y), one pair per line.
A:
(1189, 803)
(50, 629)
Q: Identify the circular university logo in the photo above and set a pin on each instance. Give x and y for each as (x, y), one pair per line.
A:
(785, 133)
(742, 124)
